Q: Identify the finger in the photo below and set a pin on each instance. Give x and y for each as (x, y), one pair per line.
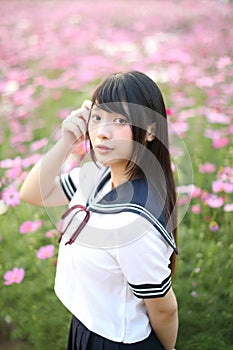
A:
(85, 115)
(82, 125)
(71, 128)
(87, 104)
(81, 113)
(79, 124)
(76, 113)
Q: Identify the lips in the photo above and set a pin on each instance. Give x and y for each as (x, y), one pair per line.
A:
(103, 148)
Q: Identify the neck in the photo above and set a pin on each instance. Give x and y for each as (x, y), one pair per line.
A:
(118, 176)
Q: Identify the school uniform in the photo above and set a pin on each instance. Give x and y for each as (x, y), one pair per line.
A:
(114, 252)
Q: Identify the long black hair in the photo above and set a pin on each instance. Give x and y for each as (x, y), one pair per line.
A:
(138, 97)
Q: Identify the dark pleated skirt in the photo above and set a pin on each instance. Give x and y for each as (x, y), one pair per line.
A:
(80, 338)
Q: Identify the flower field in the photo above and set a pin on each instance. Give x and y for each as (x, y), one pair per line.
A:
(52, 55)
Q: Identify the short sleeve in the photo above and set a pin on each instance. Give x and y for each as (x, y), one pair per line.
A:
(145, 265)
(69, 182)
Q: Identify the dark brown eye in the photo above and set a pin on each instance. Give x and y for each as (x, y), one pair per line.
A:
(121, 121)
(95, 117)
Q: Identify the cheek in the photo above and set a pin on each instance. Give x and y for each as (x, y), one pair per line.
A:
(125, 146)
(125, 134)
(124, 142)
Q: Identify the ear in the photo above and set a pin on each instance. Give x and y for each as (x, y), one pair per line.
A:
(150, 134)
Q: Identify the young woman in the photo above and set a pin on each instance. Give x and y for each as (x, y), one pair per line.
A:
(118, 246)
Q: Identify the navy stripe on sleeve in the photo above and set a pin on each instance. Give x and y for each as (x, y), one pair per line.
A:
(145, 291)
(71, 183)
(68, 185)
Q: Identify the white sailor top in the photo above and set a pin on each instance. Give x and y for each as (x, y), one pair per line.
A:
(114, 252)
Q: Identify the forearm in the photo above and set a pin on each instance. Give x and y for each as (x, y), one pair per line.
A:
(163, 316)
(51, 165)
(41, 179)
(165, 326)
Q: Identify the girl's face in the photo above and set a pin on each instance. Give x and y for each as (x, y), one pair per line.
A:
(111, 138)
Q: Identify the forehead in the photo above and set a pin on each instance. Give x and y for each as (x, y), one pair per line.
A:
(106, 110)
(116, 107)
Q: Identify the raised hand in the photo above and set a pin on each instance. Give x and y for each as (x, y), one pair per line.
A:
(74, 127)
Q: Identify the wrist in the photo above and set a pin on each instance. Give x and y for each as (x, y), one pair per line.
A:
(65, 146)
(69, 144)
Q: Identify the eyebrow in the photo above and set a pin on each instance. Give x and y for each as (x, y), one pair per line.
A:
(95, 109)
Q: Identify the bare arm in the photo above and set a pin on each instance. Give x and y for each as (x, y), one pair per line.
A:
(42, 185)
(163, 317)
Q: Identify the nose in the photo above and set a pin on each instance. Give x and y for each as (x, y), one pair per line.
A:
(104, 131)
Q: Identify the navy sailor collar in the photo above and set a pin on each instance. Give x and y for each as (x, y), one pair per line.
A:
(132, 196)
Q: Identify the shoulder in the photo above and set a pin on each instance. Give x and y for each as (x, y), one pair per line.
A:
(139, 198)
(83, 178)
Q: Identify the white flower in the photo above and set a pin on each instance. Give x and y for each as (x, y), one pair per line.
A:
(3, 207)
(11, 87)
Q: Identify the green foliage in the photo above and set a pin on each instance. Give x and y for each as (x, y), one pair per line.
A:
(203, 282)
(31, 308)
(203, 286)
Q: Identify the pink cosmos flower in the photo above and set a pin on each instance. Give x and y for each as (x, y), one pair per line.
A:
(45, 252)
(30, 226)
(22, 97)
(212, 134)
(35, 146)
(27, 162)
(217, 186)
(196, 209)
(214, 201)
(196, 192)
(14, 172)
(207, 168)
(20, 75)
(216, 117)
(14, 276)
(226, 176)
(204, 196)
(228, 187)
(228, 207)
(169, 111)
(181, 127)
(183, 200)
(205, 82)
(220, 142)
(220, 186)
(11, 196)
(192, 190)
(51, 234)
(213, 226)
(223, 62)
